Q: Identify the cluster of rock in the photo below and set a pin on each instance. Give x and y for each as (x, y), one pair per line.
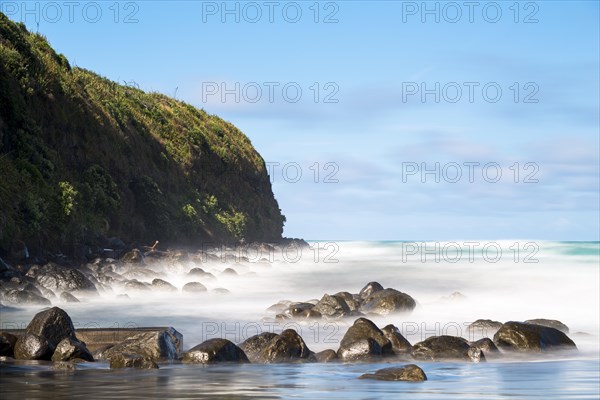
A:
(135, 272)
(372, 299)
(51, 336)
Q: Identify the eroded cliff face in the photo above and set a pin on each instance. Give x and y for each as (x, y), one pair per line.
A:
(84, 158)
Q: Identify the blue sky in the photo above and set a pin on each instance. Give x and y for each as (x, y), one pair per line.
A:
(374, 59)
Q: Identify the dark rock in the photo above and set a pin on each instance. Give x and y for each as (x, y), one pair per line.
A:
(69, 349)
(200, 273)
(400, 345)
(229, 271)
(332, 306)
(363, 341)
(53, 324)
(137, 286)
(193, 287)
(123, 360)
(55, 277)
(134, 256)
(286, 347)
(442, 348)
(279, 307)
(16, 296)
(297, 309)
(526, 337)
(213, 351)
(552, 323)
(156, 345)
(326, 356)
(7, 344)
(387, 301)
(369, 289)
(486, 345)
(254, 346)
(484, 327)
(162, 285)
(68, 298)
(310, 314)
(32, 347)
(64, 366)
(350, 299)
(410, 373)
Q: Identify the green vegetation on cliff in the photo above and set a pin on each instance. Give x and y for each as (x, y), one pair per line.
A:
(83, 158)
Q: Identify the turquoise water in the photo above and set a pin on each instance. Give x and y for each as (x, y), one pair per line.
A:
(557, 280)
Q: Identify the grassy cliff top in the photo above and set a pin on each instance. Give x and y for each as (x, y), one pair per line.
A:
(84, 158)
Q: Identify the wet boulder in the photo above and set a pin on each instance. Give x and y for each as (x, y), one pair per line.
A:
(286, 347)
(7, 344)
(487, 346)
(58, 278)
(70, 349)
(200, 273)
(193, 287)
(483, 327)
(551, 323)
(163, 286)
(254, 346)
(326, 356)
(332, 306)
(352, 300)
(409, 373)
(387, 301)
(124, 360)
(520, 336)
(68, 298)
(16, 296)
(137, 286)
(364, 341)
(214, 351)
(32, 347)
(134, 256)
(369, 289)
(298, 309)
(444, 348)
(53, 324)
(400, 345)
(156, 345)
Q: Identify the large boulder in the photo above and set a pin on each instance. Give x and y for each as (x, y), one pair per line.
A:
(53, 324)
(326, 356)
(7, 344)
(487, 346)
(369, 289)
(134, 256)
(363, 341)
(400, 345)
(286, 347)
(193, 287)
(387, 301)
(16, 296)
(32, 347)
(410, 373)
(58, 278)
(213, 351)
(125, 360)
(443, 348)
(163, 286)
(520, 336)
(299, 309)
(155, 345)
(332, 306)
(71, 349)
(352, 300)
(483, 327)
(254, 346)
(552, 323)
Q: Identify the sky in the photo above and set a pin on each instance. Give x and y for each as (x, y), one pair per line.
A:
(378, 120)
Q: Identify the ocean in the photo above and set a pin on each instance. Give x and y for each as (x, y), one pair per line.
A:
(454, 283)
